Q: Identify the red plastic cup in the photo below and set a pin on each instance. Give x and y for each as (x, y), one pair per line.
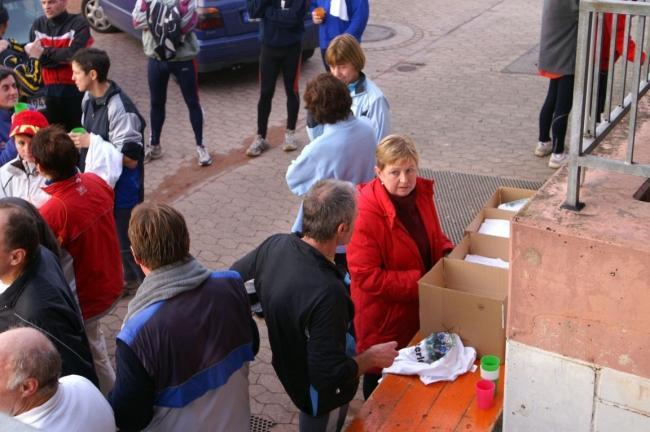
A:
(485, 394)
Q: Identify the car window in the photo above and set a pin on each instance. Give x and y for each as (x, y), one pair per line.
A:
(22, 14)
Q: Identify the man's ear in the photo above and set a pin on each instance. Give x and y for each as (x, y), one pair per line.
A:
(18, 257)
(28, 387)
(93, 74)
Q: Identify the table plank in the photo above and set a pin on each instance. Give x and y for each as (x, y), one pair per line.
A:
(412, 407)
(374, 411)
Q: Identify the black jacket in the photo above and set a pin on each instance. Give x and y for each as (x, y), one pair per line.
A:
(308, 313)
(40, 298)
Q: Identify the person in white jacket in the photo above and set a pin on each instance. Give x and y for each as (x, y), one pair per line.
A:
(19, 177)
(346, 61)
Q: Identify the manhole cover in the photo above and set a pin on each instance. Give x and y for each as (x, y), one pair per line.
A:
(376, 33)
(258, 424)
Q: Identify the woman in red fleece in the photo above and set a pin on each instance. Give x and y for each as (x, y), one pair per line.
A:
(397, 239)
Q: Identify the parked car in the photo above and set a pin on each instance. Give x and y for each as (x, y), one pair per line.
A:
(227, 36)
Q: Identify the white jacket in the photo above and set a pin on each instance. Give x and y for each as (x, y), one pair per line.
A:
(21, 180)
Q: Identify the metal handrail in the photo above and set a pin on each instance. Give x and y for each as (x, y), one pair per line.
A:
(588, 127)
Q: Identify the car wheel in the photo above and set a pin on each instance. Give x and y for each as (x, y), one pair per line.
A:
(307, 54)
(92, 10)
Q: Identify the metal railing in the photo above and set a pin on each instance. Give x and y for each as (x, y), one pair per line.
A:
(621, 96)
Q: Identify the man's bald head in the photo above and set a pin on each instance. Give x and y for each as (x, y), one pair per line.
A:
(27, 353)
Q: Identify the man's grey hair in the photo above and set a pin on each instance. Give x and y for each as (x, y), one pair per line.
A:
(40, 361)
(326, 205)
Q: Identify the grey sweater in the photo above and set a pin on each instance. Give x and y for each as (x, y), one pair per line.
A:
(557, 47)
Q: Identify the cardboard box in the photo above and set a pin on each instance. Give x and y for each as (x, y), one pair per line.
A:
(507, 194)
(469, 300)
(481, 244)
(488, 213)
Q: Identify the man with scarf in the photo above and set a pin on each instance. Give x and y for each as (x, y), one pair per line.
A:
(187, 339)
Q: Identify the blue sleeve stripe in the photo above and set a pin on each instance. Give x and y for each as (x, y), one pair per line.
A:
(227, 274)
(133, 326)
(313, 395)
(206, 380)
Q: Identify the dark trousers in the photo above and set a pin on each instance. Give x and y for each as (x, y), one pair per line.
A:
(370, 383)
(333, 420)
(65, 111)
(274, 60)
(323, 51)
(555, 112)
(186, 74)
(132, 271)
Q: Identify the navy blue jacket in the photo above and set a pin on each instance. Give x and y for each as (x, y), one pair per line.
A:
(279, 27)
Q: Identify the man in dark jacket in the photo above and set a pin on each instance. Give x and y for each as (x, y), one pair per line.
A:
(33, 292)
(281, 31)
(308, 311)
(61, 35)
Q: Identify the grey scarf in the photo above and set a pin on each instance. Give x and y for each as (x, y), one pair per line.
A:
(167, 282)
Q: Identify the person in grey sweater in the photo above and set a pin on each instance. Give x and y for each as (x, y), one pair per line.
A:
(557, 55)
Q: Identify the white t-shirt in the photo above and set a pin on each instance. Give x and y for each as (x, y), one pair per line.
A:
(77, 405)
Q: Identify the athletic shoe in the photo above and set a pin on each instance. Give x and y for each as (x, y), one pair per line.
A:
(152, 152)
(204, 156)
(543, 148)
(557, 160)
(257, 147)
(289, 140)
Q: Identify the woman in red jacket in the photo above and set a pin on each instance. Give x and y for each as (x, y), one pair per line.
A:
(397, 239)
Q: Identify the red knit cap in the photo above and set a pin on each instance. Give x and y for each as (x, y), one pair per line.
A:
(27, 123)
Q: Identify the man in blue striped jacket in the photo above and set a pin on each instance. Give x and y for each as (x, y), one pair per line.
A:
(187, 339)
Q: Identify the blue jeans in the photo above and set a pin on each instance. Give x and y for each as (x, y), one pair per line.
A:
(185, 72)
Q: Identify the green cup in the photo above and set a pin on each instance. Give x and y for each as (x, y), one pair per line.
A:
(78, 130)
(490, 363)
(20, 106)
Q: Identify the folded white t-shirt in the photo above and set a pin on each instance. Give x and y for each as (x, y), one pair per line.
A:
(424, 359)
(492, 262)
(495, 227)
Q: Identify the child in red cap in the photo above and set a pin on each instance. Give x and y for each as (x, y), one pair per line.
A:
(19, 177)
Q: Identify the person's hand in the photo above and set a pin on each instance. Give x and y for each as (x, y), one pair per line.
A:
(316, 18)
(383, 354)
(377, 356)
(4, 44)
(80, 140)
(34, 49)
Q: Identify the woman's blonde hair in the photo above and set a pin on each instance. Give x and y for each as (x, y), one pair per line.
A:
(394, 148)
(345, 49)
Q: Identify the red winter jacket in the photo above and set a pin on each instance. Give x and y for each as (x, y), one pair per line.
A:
(80, 213)
(385, 265)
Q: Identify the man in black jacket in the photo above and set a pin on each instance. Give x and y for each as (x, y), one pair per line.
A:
(34, 293)
(61, 35)
(308, 311)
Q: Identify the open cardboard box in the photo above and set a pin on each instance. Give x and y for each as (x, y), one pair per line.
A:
(488, 213)
(507, 194)
(481, 244)
(467, 299)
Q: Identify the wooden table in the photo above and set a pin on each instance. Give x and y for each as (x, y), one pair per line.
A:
(403, 403)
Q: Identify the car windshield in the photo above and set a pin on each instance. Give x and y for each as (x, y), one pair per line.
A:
(22, 14)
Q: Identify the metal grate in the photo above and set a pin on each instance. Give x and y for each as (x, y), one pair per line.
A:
(259, 424)
(459, 196)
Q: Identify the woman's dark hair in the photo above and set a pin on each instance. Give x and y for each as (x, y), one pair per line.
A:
(45, 235)
(327, 99)
(93, 59)
(55, 153)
